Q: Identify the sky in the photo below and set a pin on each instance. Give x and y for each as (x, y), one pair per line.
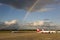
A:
(51, 12)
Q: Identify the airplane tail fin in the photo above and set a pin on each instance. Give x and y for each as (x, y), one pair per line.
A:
(38, 30)
(42, 29)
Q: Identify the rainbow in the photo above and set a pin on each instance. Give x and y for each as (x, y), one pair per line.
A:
(30, 10)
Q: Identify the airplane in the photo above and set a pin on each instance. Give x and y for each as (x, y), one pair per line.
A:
(43, 31)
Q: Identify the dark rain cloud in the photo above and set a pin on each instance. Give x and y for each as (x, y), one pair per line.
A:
(26, 4)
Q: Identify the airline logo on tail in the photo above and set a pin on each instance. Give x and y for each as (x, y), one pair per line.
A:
(38, 30)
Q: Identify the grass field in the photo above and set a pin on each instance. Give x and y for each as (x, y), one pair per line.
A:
(28, 36)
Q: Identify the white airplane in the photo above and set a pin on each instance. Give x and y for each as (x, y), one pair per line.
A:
(15, 31)
(43, 31)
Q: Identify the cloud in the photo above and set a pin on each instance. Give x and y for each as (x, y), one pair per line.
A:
(9, 25)
(27, 4)
(41, 23)
(1, 4)
(45, 9)
(36, 23)
(33, 25)
(10, 22)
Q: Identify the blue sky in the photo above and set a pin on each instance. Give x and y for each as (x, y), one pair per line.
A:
(10, 13)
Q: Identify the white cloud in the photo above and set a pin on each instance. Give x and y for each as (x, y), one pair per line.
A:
(10, 22)
(45, 9)
(37, 23)
(41, 23)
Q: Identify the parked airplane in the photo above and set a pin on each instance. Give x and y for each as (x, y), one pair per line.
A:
(43, 31)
